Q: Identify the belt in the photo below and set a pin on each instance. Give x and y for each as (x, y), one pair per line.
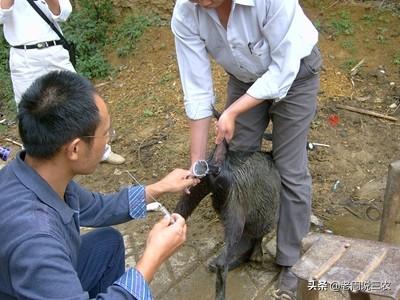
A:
(40, 45)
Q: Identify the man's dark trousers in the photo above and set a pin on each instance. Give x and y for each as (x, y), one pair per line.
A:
(101, 260)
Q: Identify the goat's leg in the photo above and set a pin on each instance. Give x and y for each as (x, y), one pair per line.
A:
(221, 274)
(258, 254)
(233, 219)
(188, 202)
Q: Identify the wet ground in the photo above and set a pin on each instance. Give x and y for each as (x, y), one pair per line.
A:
(360, 47)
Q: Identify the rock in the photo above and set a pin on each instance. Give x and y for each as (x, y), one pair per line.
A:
(316, 221)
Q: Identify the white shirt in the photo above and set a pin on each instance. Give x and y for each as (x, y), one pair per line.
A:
(263, 43)
(22, 25)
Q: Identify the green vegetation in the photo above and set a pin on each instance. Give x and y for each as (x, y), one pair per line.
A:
(343, 24)
(368, 19)
(166, 78)
(128, 33)
(381, 37)
(349, 45)
(87, 28)
(318, 25)
(349, 63)
(7, 104)
(396, 59)
(147, 113)
(92, 28)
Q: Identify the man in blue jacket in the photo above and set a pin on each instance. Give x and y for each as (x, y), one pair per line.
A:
(65, 125)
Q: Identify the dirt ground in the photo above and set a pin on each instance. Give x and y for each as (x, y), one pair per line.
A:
(348, 177)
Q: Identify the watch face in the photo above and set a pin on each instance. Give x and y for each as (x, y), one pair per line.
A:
(200, 168)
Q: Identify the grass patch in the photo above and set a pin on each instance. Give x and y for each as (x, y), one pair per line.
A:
(129, 32)
(348, 64)
(396, 59)
(381, 35)
(318, 25)
(166, 78)
(348, 45)
(148, 113)
(343, 25)
(368, 19)
(7, 103)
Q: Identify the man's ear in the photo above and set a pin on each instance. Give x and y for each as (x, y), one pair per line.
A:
(72, 149)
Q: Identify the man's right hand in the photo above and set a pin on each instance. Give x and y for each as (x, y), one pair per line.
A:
(163, 240)
(176, 181)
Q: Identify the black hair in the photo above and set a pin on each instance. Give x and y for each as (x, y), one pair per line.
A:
(57, 108)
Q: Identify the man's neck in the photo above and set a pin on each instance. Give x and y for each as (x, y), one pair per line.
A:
(53, 172)
(223, 12)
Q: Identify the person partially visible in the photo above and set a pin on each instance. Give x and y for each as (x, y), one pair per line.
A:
(65, 125)
(269, 50)
(35, 49)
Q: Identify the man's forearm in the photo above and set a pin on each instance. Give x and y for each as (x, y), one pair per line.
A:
(6, 4)
(54, 7)
(199, 138)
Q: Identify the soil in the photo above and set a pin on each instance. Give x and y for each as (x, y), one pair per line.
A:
(145, 99)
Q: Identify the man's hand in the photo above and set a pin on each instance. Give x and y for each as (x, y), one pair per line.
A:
(162, 242)
(176, 181)
(6, 4)
(54, 7)
(225, 127)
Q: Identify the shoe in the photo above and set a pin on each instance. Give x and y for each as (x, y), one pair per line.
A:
(242, 255)
(114, 159)
(286, 287)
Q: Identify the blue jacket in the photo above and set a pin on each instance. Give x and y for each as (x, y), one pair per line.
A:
(40, 237)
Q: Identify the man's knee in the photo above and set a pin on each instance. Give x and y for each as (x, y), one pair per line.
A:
(111, 234)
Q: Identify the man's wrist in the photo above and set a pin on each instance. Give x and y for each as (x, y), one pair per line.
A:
(155, 190)
(148, 266)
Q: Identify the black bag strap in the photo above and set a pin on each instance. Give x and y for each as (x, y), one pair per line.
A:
(44, 17)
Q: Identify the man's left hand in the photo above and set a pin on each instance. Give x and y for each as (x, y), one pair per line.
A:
(225, 127)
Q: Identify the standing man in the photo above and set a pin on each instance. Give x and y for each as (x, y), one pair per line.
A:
(65, 125)
(35, 49)
(268, 48)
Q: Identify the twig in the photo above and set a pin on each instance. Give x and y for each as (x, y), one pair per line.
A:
(14, 142)
(102, 84)
(354, 70)
(366, 112)
(154, 140)
(333, 4)
(352, 212)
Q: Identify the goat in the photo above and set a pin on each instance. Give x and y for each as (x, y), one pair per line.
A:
(245, 189)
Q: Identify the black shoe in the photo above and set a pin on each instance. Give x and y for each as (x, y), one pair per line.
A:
(286, 287)
(242, 255)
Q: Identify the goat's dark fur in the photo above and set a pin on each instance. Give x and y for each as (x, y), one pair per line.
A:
(245, 194)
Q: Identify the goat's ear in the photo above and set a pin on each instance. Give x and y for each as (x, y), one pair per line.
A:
(216, 113)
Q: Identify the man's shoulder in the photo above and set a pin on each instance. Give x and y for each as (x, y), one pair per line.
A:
(183, 8)
(21, 213)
